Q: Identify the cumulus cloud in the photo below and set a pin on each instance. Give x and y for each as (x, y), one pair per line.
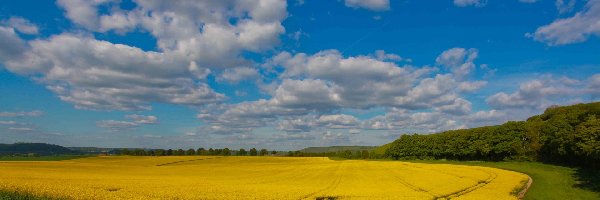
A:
(313, 87)
(339, 121)
(374, 5)
(141, 119)
(193, 38)
(12, 46)
(458, 60)
(134, 122)
(578, 28)
(416, 122)
(235, 75)
(302, 124)
(536, 94)
(96, 74)
(22, 25)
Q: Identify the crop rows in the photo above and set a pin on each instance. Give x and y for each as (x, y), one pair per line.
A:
(204, 177)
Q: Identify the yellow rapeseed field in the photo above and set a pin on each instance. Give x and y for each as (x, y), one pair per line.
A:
(205, 177)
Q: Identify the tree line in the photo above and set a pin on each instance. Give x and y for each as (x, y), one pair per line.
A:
(346, 154)
(565, 135)
(193, 152)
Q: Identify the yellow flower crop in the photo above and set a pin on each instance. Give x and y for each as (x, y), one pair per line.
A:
(205, 177)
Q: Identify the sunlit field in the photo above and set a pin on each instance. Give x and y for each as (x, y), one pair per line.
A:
(203, 177)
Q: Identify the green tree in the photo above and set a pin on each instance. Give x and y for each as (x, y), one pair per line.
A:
(180, 152)
(226, 152)
(263, 152)
(125, 152)
(159, 152)
(273, 152)
(190, 152)
(365, 154)
(587, 141)
(253, 152)
(211, 151)
(201, 151)
(242, 152)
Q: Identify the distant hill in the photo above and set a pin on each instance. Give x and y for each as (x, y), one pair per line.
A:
(336, 149)
(34, 148)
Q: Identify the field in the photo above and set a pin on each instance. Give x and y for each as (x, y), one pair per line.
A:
(550, 181)
(204, 177)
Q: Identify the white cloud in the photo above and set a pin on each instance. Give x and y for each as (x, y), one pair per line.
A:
(302, 124)
(465, 3)
(35, 113)
(374, 5)
(458, 60)
(116, 126)
(594, 85)
(292, 137)
(192, 37)
(459, 107)
(141, 119)
(339, 121)
(471, 86)
(82, 12)
(383, 56)
(8, 122)
(336, 137)
(22, 129)
(235, 75)
(96, 74)
(563, 7)
(135, 121)
(12, 46)
(312, 87)
(22, 25)
(578, 28)
(540, 93)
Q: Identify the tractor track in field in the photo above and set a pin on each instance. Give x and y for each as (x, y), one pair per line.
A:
(334, 184)
(480, 184)
(182, 161)
(470, 189)
(415, 188)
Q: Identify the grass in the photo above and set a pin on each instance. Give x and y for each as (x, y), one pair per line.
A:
(549, 181)
(10, 195)
(42, 158)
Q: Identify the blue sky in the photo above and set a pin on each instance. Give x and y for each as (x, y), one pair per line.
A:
(286, 74)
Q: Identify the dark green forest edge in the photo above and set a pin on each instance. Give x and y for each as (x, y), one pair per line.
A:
(568, 135)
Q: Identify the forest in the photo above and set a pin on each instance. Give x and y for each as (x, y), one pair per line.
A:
(562, 135)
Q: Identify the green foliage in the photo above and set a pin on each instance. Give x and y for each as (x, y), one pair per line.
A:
(568, 135)
(190, 152)
(15, 195)
(253, 152)
(226, 152)
(263, 152)
(242, 152)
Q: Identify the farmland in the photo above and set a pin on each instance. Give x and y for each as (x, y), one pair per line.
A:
(213, 177)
